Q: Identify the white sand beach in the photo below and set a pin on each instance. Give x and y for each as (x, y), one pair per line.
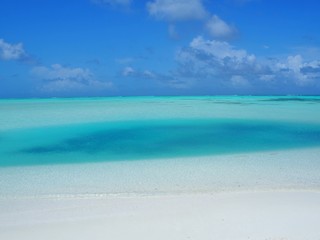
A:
(260, 202)
(226, 216)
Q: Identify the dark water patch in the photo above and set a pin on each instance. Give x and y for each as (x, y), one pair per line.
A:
(293, 99)
(167, 138)
(232, 102)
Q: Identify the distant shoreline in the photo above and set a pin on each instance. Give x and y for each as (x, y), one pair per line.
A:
(158, 96)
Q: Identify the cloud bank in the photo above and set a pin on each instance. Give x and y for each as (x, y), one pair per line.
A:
(221, 63)
(58, 78)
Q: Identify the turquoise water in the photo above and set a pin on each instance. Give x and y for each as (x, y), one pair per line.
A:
(134, 140)
(128, 131)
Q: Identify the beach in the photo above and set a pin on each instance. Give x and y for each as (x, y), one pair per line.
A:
(200, 170)
(282, 205)
(243, 215)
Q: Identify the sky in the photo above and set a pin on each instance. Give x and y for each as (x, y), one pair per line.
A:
(68, 48)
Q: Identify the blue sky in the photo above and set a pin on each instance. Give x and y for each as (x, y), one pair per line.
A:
(60, 48)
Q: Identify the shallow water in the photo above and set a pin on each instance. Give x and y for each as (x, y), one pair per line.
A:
(131, 131)
(114, 141)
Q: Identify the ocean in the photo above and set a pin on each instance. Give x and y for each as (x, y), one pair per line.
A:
(149, 145)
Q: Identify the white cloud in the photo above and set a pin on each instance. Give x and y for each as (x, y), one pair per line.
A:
(131, 72)
(295, 63)
(127, 71)
(220, 51)
(11, 51)
(149, 74)
(217, 61)
(57, 71)
(225, 65)
(59, 78)
(308, 52)
(220, 29)
(177, 10)
(304, 73)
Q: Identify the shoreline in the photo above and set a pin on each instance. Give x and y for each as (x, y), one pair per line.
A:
(272, 170)
(146, 195)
